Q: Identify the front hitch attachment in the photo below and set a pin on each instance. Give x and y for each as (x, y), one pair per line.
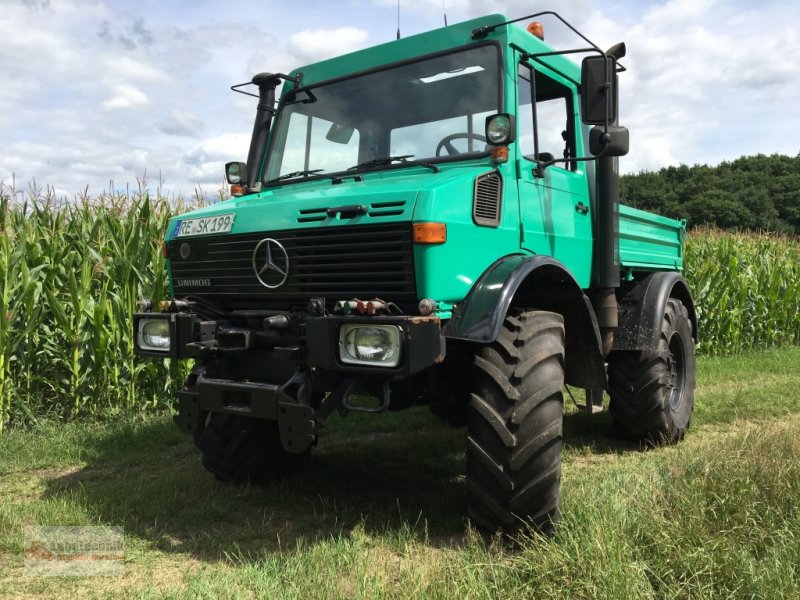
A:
(384, 402)
(296, 424)
(338, 401)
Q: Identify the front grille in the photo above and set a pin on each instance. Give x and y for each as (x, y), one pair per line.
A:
(336, 263)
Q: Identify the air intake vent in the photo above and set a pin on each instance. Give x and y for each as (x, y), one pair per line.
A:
(486, 202)
(394, 208)
(387, 209)
(311, 215)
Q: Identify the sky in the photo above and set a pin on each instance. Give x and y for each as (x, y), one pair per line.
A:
(98, 94)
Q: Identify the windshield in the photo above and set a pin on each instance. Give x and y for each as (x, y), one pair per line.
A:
(427, 110)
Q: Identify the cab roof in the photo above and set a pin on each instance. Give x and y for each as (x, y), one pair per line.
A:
(429, 42)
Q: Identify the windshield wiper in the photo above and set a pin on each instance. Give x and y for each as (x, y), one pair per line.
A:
(387, 160)
(294, 174)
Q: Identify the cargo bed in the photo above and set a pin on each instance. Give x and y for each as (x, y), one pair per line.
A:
(649, 242)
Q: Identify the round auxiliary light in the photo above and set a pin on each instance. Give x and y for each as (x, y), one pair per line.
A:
(499, 129)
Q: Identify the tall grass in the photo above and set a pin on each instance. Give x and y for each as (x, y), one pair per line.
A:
(71, 273)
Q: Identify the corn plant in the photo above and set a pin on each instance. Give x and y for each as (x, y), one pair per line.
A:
(70, 276)
(746, 287)
(72, 272)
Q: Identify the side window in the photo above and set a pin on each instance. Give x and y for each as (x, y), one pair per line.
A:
(545, 126)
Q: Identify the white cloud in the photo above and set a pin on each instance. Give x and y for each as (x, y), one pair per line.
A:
(126, 96)
(95, 90)
(127, 68)
(217, 149)
(703, 82)
(312, 45)
(182, 123)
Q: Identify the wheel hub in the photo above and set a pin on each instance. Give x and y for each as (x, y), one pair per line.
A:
(677, 369)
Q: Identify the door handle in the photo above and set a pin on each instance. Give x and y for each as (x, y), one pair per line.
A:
(581, 208)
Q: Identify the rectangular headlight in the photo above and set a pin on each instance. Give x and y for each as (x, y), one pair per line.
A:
(375, 345)
(153, 335)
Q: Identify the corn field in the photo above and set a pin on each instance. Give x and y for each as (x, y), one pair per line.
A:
(746, 287)
(70, 276)
(71, 273)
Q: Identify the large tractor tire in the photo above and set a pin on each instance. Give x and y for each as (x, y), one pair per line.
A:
(515, 424)
(245, 450)
(652, 391)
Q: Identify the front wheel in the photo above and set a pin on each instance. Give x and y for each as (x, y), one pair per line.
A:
(515, 424)
(652, 391)
(245, 450)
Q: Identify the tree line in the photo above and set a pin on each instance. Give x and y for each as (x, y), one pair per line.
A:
(750, 193)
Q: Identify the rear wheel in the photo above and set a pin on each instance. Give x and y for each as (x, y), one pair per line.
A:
(515, 423)
(243, 449)
(652, 391)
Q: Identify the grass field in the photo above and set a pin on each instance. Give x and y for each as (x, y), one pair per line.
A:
(379, 511)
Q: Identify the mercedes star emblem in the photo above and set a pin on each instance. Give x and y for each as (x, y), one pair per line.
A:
(271, 263)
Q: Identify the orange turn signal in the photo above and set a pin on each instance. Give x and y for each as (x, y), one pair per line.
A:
(430, 233)
(536, 29)
(499, 154)
(237, 189)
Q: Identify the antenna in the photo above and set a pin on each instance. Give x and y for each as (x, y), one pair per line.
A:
(398, 19)
(444, 10)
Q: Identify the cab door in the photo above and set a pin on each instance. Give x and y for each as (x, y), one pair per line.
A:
(554, 204)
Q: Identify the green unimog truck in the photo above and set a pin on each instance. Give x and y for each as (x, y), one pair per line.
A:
(434, 220)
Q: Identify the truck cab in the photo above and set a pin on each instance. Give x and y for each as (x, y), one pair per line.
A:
(429, 221)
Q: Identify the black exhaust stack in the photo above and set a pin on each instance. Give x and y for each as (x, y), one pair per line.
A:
(267, 83)
(607, 247)
(607, 141)
(607, 277)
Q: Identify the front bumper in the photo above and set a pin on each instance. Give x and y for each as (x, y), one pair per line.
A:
(314, 350)
(422, 342)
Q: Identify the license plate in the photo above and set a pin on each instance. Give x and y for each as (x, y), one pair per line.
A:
(204, 225)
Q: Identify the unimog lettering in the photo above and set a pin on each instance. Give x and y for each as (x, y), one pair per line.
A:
(193, 282)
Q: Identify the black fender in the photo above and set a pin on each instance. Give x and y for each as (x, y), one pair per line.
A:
(641, 309)
(534, 282)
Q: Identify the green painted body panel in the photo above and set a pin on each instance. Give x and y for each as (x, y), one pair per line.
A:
(650, 242)
(538, 215)
(446, 272)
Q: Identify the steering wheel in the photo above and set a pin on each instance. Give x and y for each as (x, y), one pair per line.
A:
(451, 150)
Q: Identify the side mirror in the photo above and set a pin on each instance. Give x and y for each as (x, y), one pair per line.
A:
(613, 142)
(598, 90)
(236, 172)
